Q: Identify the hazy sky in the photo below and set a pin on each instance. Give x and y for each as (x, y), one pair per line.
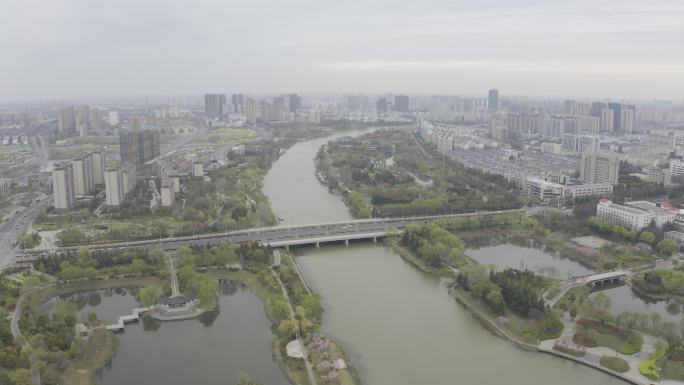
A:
(98, 48)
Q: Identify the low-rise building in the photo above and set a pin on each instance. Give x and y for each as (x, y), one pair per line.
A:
(677, 236)
(587, 189)
(638, 214)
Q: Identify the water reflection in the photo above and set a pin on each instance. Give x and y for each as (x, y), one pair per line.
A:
(624, 299)
(518, 253)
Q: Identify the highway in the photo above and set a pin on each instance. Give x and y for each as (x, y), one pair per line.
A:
(277, 235)
(14, 226)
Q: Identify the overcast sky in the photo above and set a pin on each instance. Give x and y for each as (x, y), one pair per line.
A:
(59, 49)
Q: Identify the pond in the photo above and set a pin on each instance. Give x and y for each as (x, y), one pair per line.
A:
(528, 256)
(212, 349)
(623, 298)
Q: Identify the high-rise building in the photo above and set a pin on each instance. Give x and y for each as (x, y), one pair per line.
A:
(294, 103)
(597, 108)
(114, 193)
(113, 118)
(493, 100)
(576, 108)
(83, 123)
(607, 120)
(98, 161)
(238, 102)
(381, 107)
(617, 115)
(627, 120)
(128, 177)
(98, 119)
(401, 103)
(578, 144)
(600, 167)
(83, 174)
(63, 186)
(66, 120)
(139, 146)
(222, 112)
(250, 111)
(212, 105)
(497, 128)
(278, 108)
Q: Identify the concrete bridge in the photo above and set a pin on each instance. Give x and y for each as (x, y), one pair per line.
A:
(592, 280)
(277, 236)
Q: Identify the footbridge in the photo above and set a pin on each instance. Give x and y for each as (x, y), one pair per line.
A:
(276, 236)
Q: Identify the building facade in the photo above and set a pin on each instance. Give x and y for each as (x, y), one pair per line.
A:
(63, 187)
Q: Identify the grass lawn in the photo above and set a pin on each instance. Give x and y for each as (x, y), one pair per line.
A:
(674, 370)
(225, 136)
(96, 140)
(592, 336)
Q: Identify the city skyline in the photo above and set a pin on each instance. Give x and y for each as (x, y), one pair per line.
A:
(599, 49)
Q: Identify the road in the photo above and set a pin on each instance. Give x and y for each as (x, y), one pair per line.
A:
(11, 229)
(270, 235)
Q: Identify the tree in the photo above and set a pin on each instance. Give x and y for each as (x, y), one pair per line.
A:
(64, 309)
(22, 377)
(206, 292)
(149, 295)
(647, 237)
(280, 308)
(668, 246)
(601, 301)
(287, 328)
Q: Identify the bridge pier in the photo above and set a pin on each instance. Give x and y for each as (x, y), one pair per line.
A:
(318, 244)
(346, 242)
(375, 239)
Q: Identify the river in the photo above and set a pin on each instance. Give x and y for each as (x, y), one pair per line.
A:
(398, 324)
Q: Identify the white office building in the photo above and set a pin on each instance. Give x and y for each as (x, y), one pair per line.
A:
(638, 214)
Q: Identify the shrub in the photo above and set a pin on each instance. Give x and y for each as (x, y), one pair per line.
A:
(649, 369)
(615, 363)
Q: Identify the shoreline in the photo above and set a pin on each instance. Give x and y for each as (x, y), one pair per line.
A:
(488, 323)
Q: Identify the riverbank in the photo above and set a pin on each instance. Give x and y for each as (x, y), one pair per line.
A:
(413, 259)
(294, 369)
